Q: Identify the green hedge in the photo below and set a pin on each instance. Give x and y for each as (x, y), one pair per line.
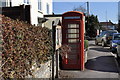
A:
(23, 46)
(86, 44)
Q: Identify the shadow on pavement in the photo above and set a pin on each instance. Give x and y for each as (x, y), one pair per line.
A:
(95, 45)
(102, 63)
(92, 45)
(101, 49)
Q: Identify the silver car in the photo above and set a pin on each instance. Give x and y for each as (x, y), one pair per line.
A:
(105, 37)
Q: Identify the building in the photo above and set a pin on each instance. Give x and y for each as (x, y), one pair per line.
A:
(107, 25)
(38, 8)
(50, 19)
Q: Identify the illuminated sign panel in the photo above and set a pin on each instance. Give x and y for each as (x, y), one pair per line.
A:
(73, 17)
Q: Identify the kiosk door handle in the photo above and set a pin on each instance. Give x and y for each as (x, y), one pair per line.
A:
(79, 40)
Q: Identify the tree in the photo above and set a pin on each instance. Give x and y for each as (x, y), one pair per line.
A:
(92, 24)
(118, 24)
(80, 8)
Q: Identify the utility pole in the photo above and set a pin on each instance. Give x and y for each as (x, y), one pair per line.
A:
(87, 15)
(54, 47)
(87, 8)
(106, 20)
(10, 3)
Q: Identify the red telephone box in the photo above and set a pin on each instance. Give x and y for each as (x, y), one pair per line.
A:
(73, 36)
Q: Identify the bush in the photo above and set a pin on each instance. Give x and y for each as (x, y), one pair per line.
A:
(23, 46)
(86, 44)
(64, 49)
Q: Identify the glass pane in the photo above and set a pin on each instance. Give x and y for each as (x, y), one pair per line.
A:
(73, 40)
(73, 25)
(73, 46)
(72, 57)
(73, 35)
(73, 30)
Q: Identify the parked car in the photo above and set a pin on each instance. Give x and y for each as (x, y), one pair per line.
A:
(114, 41)
(105, 37)
(87, 38)
(118, 50)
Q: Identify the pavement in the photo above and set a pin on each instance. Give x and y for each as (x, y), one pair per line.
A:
(100, 63)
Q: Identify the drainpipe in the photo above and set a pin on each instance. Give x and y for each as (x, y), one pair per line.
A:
(10, 3)
(54, 47)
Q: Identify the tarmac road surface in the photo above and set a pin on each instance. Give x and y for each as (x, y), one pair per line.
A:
(100, 64)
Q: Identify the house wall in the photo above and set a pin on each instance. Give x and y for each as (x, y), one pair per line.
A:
(44, 6)
(48, 23)
(16, 2)
(34, 12)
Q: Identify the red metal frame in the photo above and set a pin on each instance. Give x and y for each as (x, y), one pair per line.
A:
(79, 21)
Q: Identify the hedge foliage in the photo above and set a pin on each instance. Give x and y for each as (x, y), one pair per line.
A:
(86, 44)
(23, 45)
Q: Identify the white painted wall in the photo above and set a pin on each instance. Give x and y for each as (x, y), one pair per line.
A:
(44, 6)
(17, 2)
(34, 8)
(48, 23)
(34, 12)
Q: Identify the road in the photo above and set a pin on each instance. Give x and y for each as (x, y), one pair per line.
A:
(100, 64)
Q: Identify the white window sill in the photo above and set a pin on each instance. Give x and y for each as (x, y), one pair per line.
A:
(26, 4)
(40, 11)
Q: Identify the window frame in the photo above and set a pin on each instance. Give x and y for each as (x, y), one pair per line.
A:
(26, 1)
(48, 8)
(39, 5)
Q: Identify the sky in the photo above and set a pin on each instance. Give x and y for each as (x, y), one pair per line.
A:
(104, 10)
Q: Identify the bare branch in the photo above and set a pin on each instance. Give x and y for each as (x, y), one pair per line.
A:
(80, 8)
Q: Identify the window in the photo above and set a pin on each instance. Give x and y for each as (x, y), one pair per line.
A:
(73, 36)
(110, 33)
(73, 28)
(103, 33)
(39, 5)
(73, 25)
(73, 40)
(6, 3)
(117, 37)
(3, 4)
(26, 1)
(47, 8)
